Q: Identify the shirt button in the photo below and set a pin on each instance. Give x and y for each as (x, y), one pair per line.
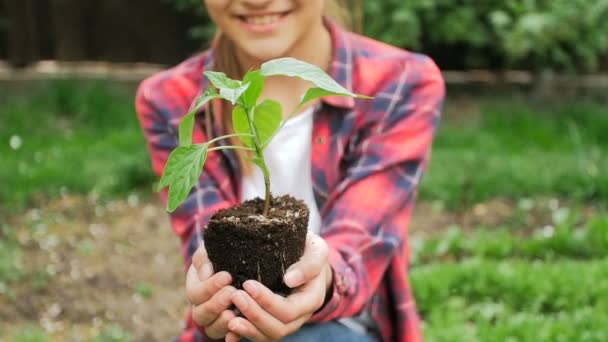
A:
(320, 140)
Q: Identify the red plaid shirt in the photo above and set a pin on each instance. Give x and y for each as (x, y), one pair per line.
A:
(368, 157)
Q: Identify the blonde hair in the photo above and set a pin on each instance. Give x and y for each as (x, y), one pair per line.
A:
(225, 61)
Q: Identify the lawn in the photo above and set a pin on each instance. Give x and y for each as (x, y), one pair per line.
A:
(518, 280)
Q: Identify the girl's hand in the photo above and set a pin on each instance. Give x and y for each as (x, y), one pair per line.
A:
(270, 317)
(210, 295)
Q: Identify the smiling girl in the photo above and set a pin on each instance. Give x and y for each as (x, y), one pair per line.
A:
(356, 163)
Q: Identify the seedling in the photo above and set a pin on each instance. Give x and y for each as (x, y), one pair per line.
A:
(255, 124)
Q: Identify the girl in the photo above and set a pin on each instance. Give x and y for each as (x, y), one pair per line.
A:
(356, 163)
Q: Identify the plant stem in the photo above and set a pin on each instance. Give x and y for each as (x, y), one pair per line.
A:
(231, 148)
(228, 136)
(261, 162)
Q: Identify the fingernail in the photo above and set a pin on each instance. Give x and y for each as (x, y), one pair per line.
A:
(240, 300)
(206, 271)
(222, 279)
(294, 278)
(252, 288)
(234, 325)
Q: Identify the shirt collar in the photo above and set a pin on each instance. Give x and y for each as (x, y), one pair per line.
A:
(340, 68)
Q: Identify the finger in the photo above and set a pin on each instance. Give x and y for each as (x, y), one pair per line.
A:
(219, 328)
(311, 295)
(208, 312)
(261, 323)
(201, 263)
(311, 263)
(199, 256)
(246, 329)
(200, 291)
(232, 337)
(305, 299)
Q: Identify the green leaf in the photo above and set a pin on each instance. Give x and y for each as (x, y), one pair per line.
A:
(229, 89)
(220, 80)
(233, 95)
(256, 84)
(295, 68)
(267, 119)
(240, 123)
(315, 93)
(257, 161)
(187, 124)
(184, 167)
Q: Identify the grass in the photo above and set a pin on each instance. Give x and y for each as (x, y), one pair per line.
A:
(501, 285)
(33, 333)
(489, 284)
(515, 149)
(84, 138)
(10, 259)
(70, 137)
(565, 241)
(488, 300)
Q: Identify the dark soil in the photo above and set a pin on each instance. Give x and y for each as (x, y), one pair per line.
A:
(248, 245)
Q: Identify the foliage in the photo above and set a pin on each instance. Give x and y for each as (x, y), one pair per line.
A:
(516, 33)
(513, 300)
(502, 150)
(509, 139)
(532, 34)
(59, 137)
(491, 285)
(565, 240)
(254, 123)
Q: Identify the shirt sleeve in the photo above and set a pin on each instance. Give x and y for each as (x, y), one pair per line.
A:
(157, 114)
(365, 223)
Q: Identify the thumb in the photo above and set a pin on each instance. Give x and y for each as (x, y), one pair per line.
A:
(311, 263)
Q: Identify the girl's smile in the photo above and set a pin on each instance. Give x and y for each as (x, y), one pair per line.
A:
(267, 22)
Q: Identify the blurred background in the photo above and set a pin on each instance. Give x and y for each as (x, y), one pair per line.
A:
(510, 234)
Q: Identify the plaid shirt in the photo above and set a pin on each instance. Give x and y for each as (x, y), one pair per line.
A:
(368, 157)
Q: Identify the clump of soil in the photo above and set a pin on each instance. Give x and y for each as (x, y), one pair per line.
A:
(248, 245)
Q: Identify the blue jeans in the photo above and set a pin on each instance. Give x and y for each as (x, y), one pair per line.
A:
(326, 332)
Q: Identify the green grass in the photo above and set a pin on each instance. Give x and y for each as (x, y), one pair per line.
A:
(82, 137)
(491, 284)
(489, 300)
(501, 284)
(75, 138)
(31, 334)
(10, 259)
(517, 149)
(565, 241)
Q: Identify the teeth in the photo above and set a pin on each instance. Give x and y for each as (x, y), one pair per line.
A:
(263, 19)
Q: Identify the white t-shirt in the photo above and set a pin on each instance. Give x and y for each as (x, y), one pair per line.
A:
(288, 160)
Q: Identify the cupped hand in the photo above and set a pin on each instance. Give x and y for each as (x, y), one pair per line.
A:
(210, 294)
(269, 316)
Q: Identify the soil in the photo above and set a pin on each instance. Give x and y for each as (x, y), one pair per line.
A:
(248, 245)
(86, 262)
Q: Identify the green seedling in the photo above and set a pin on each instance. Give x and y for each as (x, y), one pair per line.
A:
(255, 124)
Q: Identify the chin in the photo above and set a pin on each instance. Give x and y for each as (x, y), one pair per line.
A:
(267, 51)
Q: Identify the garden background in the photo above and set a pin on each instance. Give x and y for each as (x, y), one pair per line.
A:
(510, 233)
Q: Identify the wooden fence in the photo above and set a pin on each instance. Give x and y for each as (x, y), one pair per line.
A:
(109, 30)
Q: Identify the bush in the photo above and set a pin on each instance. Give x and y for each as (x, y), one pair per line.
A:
(530, 34)
(561, 34)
